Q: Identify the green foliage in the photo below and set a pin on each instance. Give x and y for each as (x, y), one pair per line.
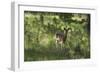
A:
(40, 29)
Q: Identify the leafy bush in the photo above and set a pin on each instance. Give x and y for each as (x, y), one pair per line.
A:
(40, 29)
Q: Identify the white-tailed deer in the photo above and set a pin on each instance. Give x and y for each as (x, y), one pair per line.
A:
(62, 36)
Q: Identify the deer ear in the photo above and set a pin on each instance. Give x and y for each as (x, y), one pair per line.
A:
(64, 28)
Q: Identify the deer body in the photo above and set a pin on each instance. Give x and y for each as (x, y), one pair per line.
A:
(62, 36)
